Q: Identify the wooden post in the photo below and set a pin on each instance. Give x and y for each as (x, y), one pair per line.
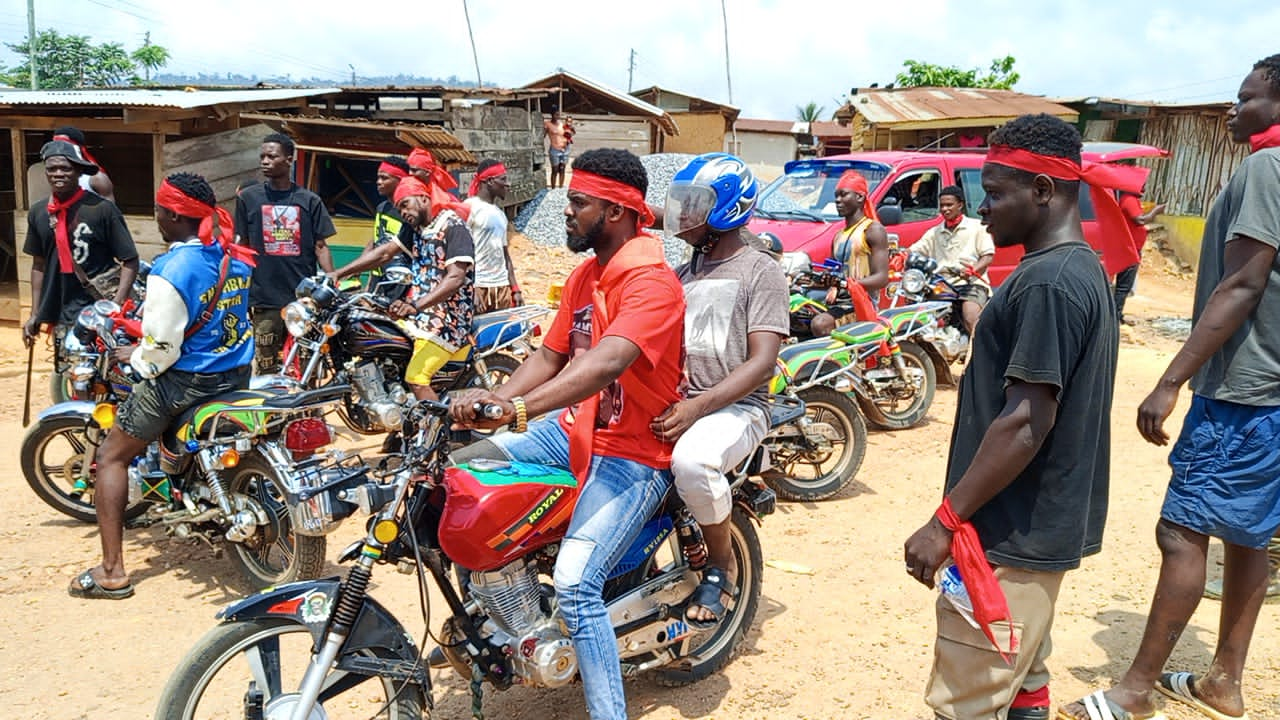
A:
(18, 146)
(157, 160)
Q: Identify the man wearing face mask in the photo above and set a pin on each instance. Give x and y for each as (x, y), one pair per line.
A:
(613, 359)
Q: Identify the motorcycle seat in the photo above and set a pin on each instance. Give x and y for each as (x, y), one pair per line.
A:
(237, 411)
(787, 353)
(931, 306)
(495, 328)
(865, 332)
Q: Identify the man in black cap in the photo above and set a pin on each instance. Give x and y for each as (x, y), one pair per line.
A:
(72, 236)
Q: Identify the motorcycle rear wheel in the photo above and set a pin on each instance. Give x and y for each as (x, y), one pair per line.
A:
(829, 472)
(714, 649)
(900, 414)
(274, 654)
(275, 554)
(53, 454)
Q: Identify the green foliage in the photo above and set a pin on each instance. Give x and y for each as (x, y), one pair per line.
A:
(74, 61)
(810, 112)
(1000, 75)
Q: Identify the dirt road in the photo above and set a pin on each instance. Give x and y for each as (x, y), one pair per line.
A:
(851, 640)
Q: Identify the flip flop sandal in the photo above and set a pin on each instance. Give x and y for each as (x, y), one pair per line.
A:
(1177, 686)
(715, 583)
(86, 588)
(1101, 707)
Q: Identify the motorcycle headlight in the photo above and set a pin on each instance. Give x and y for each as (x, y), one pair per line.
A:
(913, 281)
(298, 317)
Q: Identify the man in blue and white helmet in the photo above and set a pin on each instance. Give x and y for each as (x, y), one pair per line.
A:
(735, 320)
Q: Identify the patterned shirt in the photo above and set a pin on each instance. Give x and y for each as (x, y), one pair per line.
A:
(444, 242)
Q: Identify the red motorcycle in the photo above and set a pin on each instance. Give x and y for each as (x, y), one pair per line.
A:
(327, 649)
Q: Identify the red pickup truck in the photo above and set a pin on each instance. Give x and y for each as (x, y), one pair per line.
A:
(800, 208)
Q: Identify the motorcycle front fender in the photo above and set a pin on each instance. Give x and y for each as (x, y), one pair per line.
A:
(70, 408)
(311, 603)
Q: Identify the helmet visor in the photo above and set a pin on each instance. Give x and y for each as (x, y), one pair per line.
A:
(687, 209)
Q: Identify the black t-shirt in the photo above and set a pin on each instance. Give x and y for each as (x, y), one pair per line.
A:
(1053, 321)
(99, 239)
(283, 226)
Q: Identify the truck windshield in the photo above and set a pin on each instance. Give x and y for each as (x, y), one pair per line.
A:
(808, 190)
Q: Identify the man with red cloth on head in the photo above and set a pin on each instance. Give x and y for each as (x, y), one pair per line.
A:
(496, 287)
(862, 246)
(392, 239)
(196, 344)
(438, 181)
(70, 234)
(614, 357)
(1226, 470)
(1027, 477)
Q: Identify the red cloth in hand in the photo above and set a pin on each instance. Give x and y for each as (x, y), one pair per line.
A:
(989, 604)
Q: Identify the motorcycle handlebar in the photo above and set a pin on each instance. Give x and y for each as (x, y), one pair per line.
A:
(489, 411)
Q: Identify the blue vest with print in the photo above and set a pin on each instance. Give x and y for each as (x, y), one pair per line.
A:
(226, 341)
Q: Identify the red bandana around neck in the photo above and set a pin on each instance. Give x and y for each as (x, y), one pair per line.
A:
(1268, 138)
(989, 603)
(58, 218)
(492, 171)
(619, 193)
(171, 198)
(392, 170)
(1119, 249)
(853, 180)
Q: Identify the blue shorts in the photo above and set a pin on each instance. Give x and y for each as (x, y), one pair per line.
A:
(558, 157)
(1226, 472)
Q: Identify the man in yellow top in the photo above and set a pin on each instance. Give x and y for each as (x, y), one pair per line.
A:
(964, 251)
(862, 246)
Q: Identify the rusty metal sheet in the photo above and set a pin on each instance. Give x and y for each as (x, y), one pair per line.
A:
(888, 108)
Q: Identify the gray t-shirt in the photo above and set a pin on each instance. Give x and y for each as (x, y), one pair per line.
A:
(1246, 370)
(724, 302)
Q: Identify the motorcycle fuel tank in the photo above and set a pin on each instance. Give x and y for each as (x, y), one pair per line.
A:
(497, 511)
(369, 334)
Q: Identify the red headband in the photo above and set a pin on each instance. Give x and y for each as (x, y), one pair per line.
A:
(173, 199)
(423, 160)
(408, 187)
(492, 171)
(853, 180)
(440, 200)
(615, 192)
(1119, 250)
(392, 170)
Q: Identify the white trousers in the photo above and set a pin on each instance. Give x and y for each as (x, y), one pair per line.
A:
(712, 446)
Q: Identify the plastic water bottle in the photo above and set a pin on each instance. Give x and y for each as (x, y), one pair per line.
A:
(952, 588)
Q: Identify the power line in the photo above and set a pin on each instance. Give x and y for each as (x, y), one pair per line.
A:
(1187, 85)
(122, 10)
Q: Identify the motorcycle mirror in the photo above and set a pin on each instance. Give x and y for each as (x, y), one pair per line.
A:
(397, 276)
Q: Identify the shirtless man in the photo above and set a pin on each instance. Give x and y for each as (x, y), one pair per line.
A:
(559, 132)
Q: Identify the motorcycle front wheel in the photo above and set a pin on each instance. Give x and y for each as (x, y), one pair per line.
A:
(275, 554)
(907, 406)
(711, 651)
(222, 675)
(57, 460)
(805, 472)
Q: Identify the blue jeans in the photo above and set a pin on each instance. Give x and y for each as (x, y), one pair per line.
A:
(616, 500)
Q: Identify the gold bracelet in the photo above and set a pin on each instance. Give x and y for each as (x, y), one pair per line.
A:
(521, 423)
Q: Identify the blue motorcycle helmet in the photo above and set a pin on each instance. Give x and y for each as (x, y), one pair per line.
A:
(713, 194)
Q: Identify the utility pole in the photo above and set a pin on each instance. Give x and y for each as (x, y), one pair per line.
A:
(31, 44)
(474, 57)
(728, 81)
(631, 69)
(353, 74)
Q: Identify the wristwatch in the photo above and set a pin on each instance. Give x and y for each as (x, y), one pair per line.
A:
(521, 423)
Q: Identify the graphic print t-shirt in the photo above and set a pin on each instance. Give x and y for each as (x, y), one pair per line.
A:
(99, 238)
(283, 226)
(648, 310)
(444, 242)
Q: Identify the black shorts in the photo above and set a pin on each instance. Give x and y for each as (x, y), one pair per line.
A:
(156, 402)
(974, 293)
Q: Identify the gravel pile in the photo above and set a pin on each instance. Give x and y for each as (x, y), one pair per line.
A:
(542, 218)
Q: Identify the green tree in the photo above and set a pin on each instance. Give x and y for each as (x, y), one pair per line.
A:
(150, 57)
(1000, 75)
(809, 112)
(70, 61)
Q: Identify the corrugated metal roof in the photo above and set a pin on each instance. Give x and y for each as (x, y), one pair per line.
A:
(139, 97)
(924, 104)
(664, 119)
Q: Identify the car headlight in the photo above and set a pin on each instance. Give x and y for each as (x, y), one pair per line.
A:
(298, 317)
(913, 281)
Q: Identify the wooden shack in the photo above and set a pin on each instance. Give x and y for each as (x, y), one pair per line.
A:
(604, 117)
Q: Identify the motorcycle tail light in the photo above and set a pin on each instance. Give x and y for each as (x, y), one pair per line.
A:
(537, 330)
(306, 435)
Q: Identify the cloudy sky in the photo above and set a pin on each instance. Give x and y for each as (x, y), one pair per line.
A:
(781, 54)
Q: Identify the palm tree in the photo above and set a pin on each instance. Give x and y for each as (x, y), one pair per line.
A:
(150, 57)
(811, 112)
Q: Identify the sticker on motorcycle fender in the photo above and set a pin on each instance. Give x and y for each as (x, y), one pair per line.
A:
(676, 630)
(316, 607)
(517, 532)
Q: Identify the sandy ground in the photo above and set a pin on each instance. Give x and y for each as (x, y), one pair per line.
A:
(853, 639)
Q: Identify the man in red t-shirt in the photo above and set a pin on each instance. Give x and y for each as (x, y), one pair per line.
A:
(1131, 205)
(613, 358)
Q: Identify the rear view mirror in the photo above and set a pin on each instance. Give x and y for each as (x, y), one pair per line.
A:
(889, 213)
